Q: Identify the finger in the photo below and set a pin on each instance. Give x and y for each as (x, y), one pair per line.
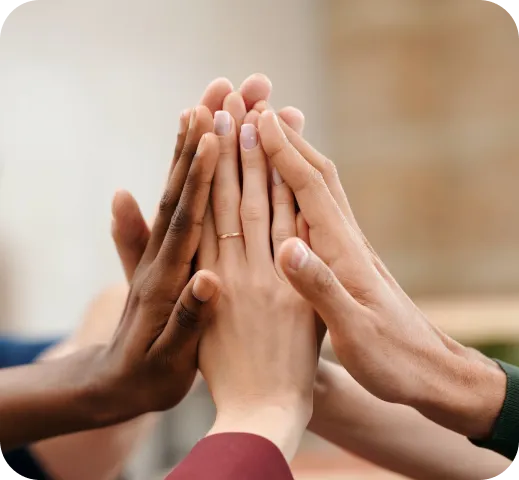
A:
(235, 105)
(255, 88)
(314, 198)
(183, 237)
(294, 118)
(252, 117)
(292, 122)
(226, 192)
(193, 310)
(325, 167)
(200, 123)
(215, 94)
(303, 230)
(129, 231)
(284, 215)
(255, 208)
(331, 235)
(288, 120)
(207, 254)
(316, 282)
(181, 138)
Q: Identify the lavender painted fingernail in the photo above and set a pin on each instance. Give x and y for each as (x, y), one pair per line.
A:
(248, 136)
(222, 123)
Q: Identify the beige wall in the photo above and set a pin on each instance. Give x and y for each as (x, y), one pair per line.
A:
(90, 93)
(426, 130)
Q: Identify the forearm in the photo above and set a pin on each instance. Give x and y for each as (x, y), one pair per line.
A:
(393, 436)
(49, 399)
(109, 448)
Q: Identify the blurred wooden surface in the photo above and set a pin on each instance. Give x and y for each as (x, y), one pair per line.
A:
(425, 120)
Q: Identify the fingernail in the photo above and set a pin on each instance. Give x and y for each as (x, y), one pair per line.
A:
(276, 177)
(222, 123)
(184, 120)
(248, 136)
(192, 118)
(203, 289)
(299, 256)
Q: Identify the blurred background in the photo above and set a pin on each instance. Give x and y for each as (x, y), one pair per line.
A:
(415, 100)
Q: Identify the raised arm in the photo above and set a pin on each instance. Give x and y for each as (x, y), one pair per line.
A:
(151, 361)
(394, 436)
(377, 332)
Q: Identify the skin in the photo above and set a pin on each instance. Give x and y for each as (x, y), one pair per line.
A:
(378, 334)
(394, 436)
(290, 404)
(368, 426)
(110, 447)
(157, 337)
(259, 354)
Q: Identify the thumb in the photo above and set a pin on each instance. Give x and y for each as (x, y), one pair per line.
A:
(129, 231)
(316, 282)
(192, 312)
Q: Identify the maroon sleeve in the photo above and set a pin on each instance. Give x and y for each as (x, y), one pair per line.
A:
(233, 456)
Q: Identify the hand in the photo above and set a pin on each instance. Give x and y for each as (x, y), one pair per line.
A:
(129, 229)
(152, 360)
(379, 335)
(259, 355)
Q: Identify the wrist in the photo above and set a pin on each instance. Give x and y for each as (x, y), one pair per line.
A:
(469, 395)
(107, 400)
(281, 421)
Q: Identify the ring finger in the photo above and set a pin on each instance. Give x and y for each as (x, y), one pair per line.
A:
(226, 192)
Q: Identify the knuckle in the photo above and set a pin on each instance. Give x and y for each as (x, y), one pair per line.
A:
(330, 169)
(251, 212)
(184, 219)
(310, 178)
(188, 150)
(185, 317)
(282, 195)
(222, 205)
(166, 202)
(278, 150)
(260, 287)
(324, 280)
(181, 218)
(147, 291)
(198, 181)
(279, 235)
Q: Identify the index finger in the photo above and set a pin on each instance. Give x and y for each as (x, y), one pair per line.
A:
(307, 183)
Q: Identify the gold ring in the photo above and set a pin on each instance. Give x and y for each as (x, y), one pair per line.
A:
(230, 235)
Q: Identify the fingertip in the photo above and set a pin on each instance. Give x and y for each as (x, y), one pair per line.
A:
(185, 116)
(201, 119)
(120, 201)
(206, 286)
(222, 83)
(294, 118)
(256, 87)
(261, 106)
(208, 144)
(252, 117)
(215, 93)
